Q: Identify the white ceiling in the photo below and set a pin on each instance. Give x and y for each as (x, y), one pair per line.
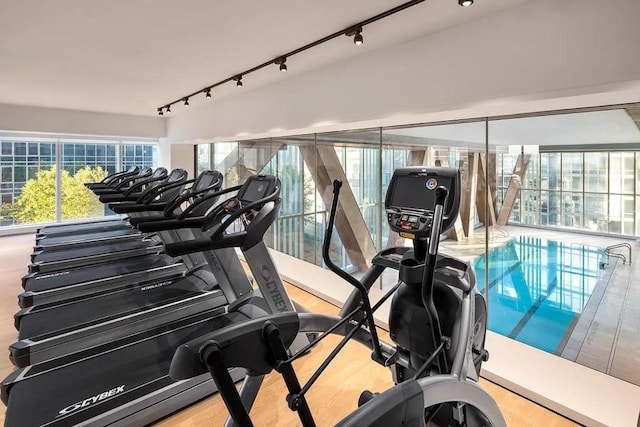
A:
(131, 56)
(588, 128)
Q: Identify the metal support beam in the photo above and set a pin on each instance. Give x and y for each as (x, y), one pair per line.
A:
(350, 224)
(469, 193)
(514, 188)
(483, 187)
(249, 158)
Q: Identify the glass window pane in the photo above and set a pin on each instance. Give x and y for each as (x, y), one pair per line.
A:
(550, 208)
(550, 171)
(596, 212)
(203, 159)
(572, 210)
(7, 174)
(354, 158)
(629, 215)
(530, 207)
(572, 171)
(142, 155)
(28, 188)
(596, 172)
(532, 175)
(79, 167)
(621, 173)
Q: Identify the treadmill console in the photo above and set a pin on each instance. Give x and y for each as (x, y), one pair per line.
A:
(411, 196)
(256, 187)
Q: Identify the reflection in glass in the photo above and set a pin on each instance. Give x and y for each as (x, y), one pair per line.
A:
(596, 172)
(622, 172)
(571, 210)
(596, 212)
(550, 171)
(537, 288)
(203, 159)
(572, 171)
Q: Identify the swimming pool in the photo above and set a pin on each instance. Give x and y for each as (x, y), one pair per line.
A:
(538, 288)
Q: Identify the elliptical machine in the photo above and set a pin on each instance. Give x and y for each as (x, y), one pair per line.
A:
(437, 321)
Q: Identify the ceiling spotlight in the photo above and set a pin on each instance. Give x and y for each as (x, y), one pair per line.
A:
(238, 81)
(283, 63)
(465, 3)
(160, 112)
(356, 32)
(186, 101)
(168, 108)
(357, 38)
(207, 93)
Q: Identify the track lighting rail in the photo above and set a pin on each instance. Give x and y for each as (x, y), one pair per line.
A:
(354, 31)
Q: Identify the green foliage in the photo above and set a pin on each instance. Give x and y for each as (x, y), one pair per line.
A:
(37, 202)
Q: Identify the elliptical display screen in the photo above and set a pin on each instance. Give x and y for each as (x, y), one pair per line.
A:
(417, 192)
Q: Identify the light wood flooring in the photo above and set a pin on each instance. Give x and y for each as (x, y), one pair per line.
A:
(332, 397)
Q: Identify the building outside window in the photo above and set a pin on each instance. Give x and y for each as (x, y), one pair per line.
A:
(29, 184)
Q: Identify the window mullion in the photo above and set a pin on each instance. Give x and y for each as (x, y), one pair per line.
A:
(58, 181)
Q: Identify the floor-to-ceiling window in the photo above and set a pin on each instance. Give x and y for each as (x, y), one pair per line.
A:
(589, 190)
(28, 166)
(43, 179)
(542, 197)
(560, 276)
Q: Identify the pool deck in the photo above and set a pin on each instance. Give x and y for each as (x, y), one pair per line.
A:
(606, 337)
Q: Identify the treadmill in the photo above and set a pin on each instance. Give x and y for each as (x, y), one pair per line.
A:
(40, 327)
(92, 237)
(102, 252)
(125, 382)
(113, 179)
(49, 289)
(132, 174)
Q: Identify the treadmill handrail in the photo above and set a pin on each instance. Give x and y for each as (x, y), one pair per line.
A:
(119, 175)
(139, 185)
(151, 193)
(170, 224)
(201, 200)
(201, 245)
(237, 214)
(131, 207)
(171, 206)
(143, 174)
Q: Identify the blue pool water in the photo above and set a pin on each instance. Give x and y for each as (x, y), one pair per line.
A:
(538, 288)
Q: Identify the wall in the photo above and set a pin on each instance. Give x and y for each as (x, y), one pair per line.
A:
(544, 54)
(181, 157)
(71, 122)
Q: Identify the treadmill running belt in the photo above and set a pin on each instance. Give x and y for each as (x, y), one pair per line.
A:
(84, 312)
(70, 394)
(92, 250)
(84, 227)
(81, 237)
(44, 282)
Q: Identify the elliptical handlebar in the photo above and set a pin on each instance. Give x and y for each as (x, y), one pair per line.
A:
(366, 303)
(441, 194)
